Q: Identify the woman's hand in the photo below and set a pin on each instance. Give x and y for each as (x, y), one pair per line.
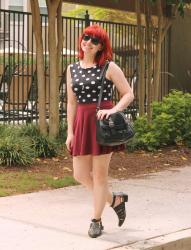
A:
(69, 142)
(105, 113)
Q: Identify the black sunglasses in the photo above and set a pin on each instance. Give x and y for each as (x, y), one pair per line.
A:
(94, 40)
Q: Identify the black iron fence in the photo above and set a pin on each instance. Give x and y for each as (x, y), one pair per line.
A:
(18, 80)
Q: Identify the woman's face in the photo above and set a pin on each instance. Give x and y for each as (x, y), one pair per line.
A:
(90, 44)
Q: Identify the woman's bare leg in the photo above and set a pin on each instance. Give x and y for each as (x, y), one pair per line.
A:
(83, 167)
(100, 183)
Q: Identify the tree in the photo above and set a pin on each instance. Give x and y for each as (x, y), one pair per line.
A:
(55, 40)
(141, 67)
(156, 33)
(40, 65)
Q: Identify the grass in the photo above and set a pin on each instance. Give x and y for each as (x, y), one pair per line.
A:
(12, 183)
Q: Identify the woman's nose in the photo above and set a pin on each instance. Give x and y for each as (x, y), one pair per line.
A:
(89, 41)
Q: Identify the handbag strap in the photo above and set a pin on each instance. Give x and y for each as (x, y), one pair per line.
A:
(102, 79)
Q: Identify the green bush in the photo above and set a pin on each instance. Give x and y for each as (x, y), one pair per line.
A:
(171, 123)
(43, 146)
(62, 133)
(15, 150)
(20, 144)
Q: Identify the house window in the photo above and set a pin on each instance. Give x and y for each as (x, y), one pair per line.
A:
(15, 5)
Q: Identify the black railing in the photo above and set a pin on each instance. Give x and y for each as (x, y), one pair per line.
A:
(18, 81)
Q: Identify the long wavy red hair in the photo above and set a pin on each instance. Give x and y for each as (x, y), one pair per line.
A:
(106, 52)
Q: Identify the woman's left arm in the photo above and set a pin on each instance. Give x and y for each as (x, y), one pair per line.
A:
(116, 75)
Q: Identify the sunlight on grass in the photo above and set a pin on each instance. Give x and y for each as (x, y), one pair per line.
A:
(23, 182)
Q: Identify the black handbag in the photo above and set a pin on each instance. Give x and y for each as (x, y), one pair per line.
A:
(115, 130)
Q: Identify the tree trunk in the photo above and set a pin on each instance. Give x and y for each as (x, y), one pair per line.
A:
(157, 64)
(149, 32)
(141, 66)
(54, 9)
(40, 65)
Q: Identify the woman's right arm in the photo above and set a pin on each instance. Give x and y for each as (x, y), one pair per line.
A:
(71, 110)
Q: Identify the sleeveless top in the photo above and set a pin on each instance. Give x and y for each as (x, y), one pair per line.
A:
(86, 84)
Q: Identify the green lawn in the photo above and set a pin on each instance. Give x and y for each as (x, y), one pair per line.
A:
(25, 182)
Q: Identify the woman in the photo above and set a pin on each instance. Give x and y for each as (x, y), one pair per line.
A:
(90, 160)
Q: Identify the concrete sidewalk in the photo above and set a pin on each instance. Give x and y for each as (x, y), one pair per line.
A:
(159, 204)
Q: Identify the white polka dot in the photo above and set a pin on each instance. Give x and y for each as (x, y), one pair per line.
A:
(89, 71)
(109, 86)
(80, 71)
(97, 77)
(99, 87)
(109, 94)
(87, 79)
(83, 100)
(73, 70)
(71, 65)
(83, 75)
(81, 83)
(94, 99)
(87, 87)
(75, 75)
(75, 89)
(92, 82)
(105, 90)
(88, 95)
(83, 92)
(77, 80)
(104, 81)
(93, 74)
(94, 91)
(105, 99)
(98, 70)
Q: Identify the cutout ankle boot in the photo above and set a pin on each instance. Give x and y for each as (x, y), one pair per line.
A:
(96, 228)
(120, 209)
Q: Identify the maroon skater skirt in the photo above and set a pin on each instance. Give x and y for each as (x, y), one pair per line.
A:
(84, 142)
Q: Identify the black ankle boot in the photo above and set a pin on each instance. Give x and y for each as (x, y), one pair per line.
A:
(120, 209)
(96, 228)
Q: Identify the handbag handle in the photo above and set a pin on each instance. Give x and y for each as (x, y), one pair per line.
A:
(102, 79)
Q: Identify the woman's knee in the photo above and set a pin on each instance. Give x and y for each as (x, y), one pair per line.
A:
(100, 178)
(82, 168)
(81, 177)
(100, 169)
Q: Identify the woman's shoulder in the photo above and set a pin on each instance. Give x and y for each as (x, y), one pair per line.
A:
(113, 67)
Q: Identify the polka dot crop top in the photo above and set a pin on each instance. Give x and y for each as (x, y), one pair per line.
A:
(86, 84)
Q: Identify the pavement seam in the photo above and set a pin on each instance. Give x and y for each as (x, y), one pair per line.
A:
(39, 225)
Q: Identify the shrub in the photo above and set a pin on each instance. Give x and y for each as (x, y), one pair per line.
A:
(15, 150)
(171, 123)
(62, 133)
(43, 146)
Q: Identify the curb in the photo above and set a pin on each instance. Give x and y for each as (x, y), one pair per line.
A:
(180, 240)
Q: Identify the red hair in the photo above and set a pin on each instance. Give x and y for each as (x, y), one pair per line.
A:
(106, 53)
